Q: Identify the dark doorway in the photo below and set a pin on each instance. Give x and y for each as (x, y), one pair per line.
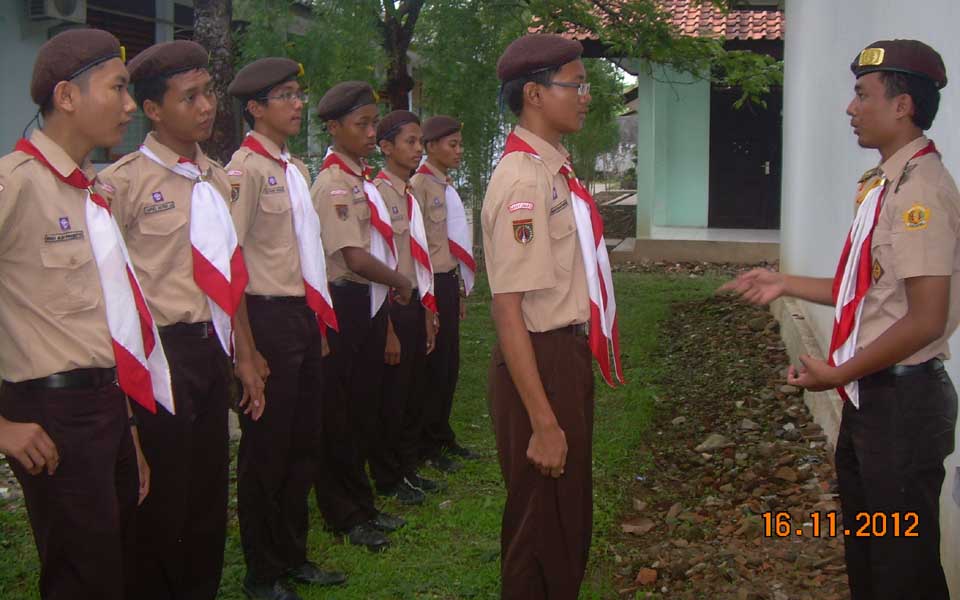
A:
(745, 162)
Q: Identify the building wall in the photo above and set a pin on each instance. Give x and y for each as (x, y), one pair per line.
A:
(822, 161)
(673, 142)
(19, 41)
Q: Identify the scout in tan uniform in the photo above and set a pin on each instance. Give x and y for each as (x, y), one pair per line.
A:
(63, 420)
(348, 210)
(540, 379)
(410, 327)
(182, 526)
(900, 406)
(443, 142)
(279, 453)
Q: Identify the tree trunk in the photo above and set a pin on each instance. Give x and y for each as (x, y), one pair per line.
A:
(213, 30)
(397, 28)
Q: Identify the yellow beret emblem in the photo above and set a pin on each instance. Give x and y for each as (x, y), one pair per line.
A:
(871, 57)
(299, 69)
(917, 217)
(123, 54)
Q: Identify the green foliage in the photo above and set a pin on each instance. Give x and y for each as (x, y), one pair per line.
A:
(601, 132)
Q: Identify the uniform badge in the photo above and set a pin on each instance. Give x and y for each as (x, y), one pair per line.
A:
(520, 206)
(523, 231)
(234, 173)
(271, 180)
(343, 211)
(436, 201)
(554, 193)
(877, 271)
(395, 210)
(871, 57)
(64, 224)
(916, 218)
(234, 192)
(157, 197)
(356, 190)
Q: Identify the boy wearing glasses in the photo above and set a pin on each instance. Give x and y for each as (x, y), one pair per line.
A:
(289, 305)
(549, 274)
(170, 202)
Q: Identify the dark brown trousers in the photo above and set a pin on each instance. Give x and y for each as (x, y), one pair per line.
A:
(182, 524)
(396, 455)
(547, 522)
(443, 369)
(83, 515)
(279, 453)
(889, 460)
(351, 408)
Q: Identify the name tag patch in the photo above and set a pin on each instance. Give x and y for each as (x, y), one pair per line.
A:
(158, 208)
(558, 207)
(52, 238)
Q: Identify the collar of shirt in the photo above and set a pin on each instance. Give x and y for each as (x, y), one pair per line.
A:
(351, 164)
(58, 157)
(398, 184)
(437, 173)
(893, 167)
(267, 144)
(552, 157)
(171, 158)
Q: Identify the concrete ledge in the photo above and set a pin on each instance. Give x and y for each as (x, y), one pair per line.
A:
(696, 251)
(799, 339)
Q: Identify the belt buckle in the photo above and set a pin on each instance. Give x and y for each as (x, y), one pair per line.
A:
(205, 333)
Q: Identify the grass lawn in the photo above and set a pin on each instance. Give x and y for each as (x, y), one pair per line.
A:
(450, 547)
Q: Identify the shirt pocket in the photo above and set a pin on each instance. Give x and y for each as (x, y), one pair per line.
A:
(881, 268)
(563, 241)
(437, 210)
(71, 282)
(164, 241)
(274, 223)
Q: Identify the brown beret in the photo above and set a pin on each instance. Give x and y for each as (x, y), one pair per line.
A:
(393, 121)
(67, 55)
(168, 58)
(439, 126)
(536, 52)
(259, 76)
(902, 56)
(344, 98)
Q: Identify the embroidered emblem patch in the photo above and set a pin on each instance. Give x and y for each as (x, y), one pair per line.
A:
(157, 197)
(871, 57)
(271, 180)
(234, 192)
(554, 193)
(436, 201)
(877, 271)
(343, 211)
(356, 190)
(558, 207)
(234, 172)
(64, 224)
(395, 210)
(917, 217)
(520, 206)
(523, 231)
(157, 208)
(338, 192)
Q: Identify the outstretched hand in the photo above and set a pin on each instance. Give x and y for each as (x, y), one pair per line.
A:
(757, 286)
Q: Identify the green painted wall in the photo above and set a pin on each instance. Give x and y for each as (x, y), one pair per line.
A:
(673, 156)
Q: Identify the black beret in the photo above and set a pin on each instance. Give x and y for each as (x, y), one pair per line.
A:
(67, 55)
(263, 74)
(393, 121)
(166, 59)
(536, 52)
(439, 126)
(902, 56)
(344, 98)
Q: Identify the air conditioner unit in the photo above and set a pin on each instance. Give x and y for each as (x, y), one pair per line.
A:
(74, 11)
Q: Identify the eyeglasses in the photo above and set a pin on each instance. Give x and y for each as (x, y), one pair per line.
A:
(582, 88)
(289, 97)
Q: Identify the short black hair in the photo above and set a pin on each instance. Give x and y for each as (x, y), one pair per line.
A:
(512, 91)
(923, 91)
(151, 89)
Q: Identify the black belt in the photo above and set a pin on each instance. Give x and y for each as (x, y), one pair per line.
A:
(348, 284)
(932, 366)
(278, 299)
(75, 379)
(454, 272)
(577, 329)
(203, 329)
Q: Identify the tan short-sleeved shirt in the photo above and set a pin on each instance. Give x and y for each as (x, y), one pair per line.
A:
(261, 210)
(530, 238)
(394, 196)
(52, 314)
(152, 205)
(430, 192)
(915, 236)
(344, 216)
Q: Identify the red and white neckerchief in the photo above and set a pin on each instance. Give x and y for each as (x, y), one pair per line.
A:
(418, 248)
(382, 247)
(853, 279)
(459, 232)
(306, 226)
(142, 370)
(218, 266)
(604, 333)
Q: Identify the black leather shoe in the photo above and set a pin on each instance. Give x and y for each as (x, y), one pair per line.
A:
(444, 464)
(310, 573)
(462, 452)
(368, 536)
(408, 494)
(271, 590)
(386, 522)
(423, 484)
